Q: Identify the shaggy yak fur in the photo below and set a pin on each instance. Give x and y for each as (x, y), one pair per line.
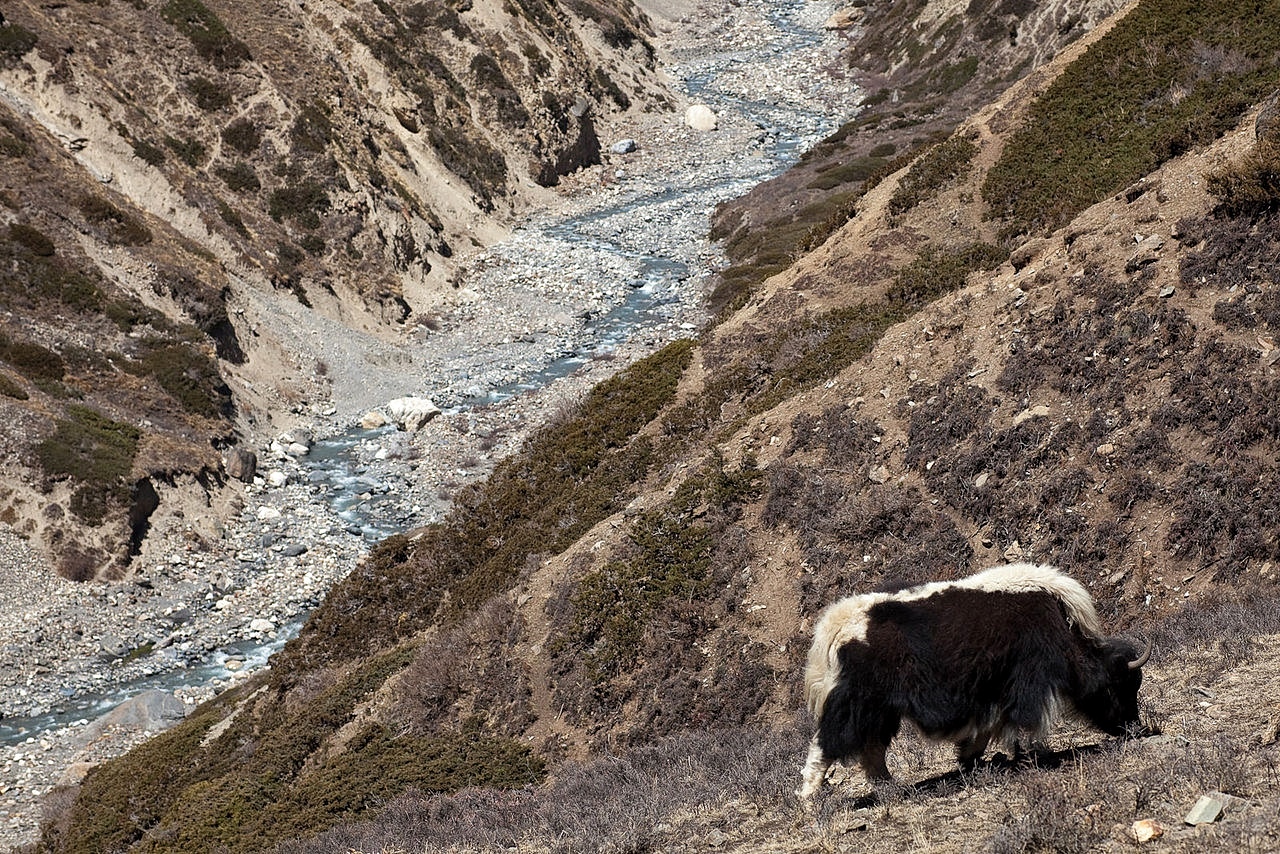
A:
(996, 655)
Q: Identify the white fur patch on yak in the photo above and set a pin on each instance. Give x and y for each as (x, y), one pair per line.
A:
(846, 619)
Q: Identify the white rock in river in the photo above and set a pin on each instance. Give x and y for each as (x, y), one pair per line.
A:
(410, 413)
(261, 625)
(700, 117)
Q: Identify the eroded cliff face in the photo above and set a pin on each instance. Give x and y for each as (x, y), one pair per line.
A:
(222, 181)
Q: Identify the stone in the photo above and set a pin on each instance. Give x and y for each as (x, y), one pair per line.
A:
(843, 19)
(1106, 449)
(373, 419)
(276, 478)
(1146, 830)
(624, 146)
(700, 117)
(293, 550)
(982, 479)
(241, 464)
(262, 625)
(879, 474)
(1206, 810)
(410, 413)
(297, 449)
(1034, 412)
(266, 513)
(1027, 252)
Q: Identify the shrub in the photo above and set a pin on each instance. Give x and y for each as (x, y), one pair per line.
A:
(210, 96)
(1171, 75)
(118, 226)
(242, 135)
(15, 42)
(189, 376)
(210, 37)
(190, 151)
(312, 131)
(32, 238)
(302, 202)
(147, 152)
(943, 163)
(90, 448)
(239, 177)
(1252, 185)
(32, 360)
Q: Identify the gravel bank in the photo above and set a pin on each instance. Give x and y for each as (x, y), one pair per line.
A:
(538, 310)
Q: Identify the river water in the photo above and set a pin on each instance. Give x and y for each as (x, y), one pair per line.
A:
(653, 234)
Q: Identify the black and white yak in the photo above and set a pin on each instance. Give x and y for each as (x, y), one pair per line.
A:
(997, 655)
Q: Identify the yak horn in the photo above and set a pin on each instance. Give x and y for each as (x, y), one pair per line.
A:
(1141, 659)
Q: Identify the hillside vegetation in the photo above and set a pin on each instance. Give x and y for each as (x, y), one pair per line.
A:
(178, 177)
(608, 634)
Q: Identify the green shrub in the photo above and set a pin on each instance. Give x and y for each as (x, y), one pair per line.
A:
(210, 96)
(189, 376)
(31, 360)
(939, 271)
(147, 152)
(189, 150)
(90, 448)
(239, 177)
(837, 174)
(612, 606)
(32, 238)
(312, 131)
(119, 227)
(1252, 185)
(942, 164)
(242, 135)
(210, 37)
(1170, 76)
(302, 202)
(15, 42)
(231, 218)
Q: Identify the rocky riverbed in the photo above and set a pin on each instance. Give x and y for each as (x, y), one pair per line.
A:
(619, 268)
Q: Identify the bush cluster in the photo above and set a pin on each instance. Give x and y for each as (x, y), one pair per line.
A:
(1171, 75)
(210, 37)
(117, 226)
(942, 164)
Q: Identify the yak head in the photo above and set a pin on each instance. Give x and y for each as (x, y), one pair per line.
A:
(1109, 696)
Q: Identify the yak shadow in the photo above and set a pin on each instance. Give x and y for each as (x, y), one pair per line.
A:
(952, 781)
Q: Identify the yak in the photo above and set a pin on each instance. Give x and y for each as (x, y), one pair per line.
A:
(998, 655)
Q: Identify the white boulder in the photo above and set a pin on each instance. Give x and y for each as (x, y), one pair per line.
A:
(410, 413)
(700, 117)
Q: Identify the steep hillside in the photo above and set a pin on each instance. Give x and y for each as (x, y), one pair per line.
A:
(926, 66)
(185, 184)
(1049, 338)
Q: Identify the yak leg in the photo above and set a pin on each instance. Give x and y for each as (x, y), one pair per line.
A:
(815, 769)
(872, 761)
(970, 749)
